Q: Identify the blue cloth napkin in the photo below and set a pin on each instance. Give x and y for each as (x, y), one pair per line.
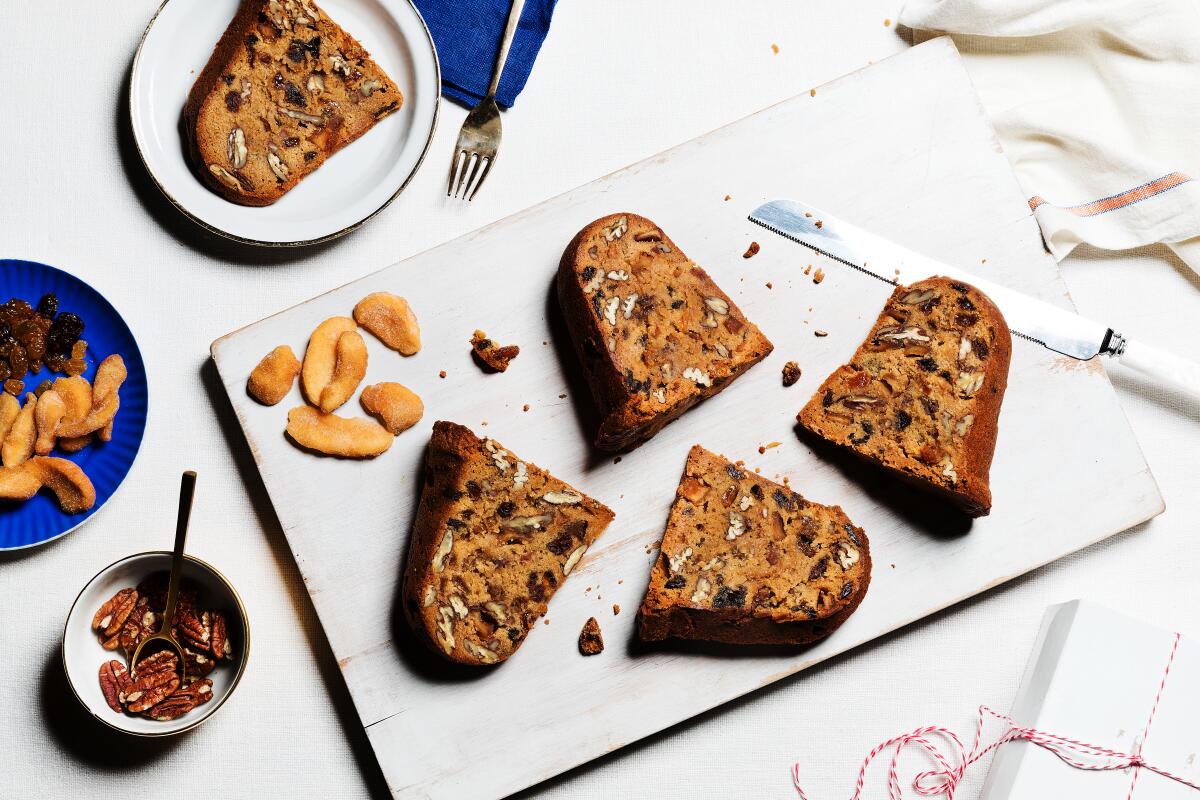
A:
(467, 35)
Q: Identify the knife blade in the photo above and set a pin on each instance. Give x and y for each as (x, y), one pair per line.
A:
(1035, 320)
(1040, 322)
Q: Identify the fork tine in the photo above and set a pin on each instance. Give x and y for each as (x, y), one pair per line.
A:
(467, 194)
(482, 177)
(460, 191)
(458, 154)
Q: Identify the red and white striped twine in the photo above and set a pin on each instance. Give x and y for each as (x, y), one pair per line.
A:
(944, 779)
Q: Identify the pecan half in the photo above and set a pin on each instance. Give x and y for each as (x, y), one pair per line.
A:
(219, 643)
(114, 679)
(111, 616)
(154, 680)
(183, 700)
(197, 665)
(195, 629)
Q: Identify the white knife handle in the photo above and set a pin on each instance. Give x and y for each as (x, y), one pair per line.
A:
(1161, 366)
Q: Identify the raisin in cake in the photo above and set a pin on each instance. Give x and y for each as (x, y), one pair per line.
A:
(494, 538)
(654, 333)
(922, 395)
(748, 561)
(284, 89)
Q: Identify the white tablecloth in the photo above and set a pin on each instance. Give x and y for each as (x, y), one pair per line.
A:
(73, 193)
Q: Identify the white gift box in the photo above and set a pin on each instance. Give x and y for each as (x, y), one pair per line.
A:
(1107, 680)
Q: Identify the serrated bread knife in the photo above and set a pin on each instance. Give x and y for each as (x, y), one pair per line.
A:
(1035, 320)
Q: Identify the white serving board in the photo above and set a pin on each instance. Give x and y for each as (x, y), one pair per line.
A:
(901, 148)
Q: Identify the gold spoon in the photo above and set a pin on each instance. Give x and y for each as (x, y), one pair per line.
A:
(165, 636)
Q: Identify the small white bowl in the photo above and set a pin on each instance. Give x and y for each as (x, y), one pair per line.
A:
(83, 655)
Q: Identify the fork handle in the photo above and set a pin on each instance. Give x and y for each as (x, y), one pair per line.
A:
(510, 31)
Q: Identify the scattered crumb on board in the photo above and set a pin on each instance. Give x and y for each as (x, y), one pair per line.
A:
(591, 641)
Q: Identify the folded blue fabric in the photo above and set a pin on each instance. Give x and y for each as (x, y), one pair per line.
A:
(467, 34)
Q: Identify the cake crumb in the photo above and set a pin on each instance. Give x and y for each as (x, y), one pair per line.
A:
(562, 397)
(489, 356)
(791, 373)
(765, 447)
(751, 251)
(808, 269)
(617, 460)
(590, 640)
(442, 374)
(821, 224)
(819, 275)
(525, 407)
(616, 609)
(728, 198)
(808, 213)
(812, 93)
(887, 23)
(769, 286)
(821, 334)
(774, 48)
(546, 621)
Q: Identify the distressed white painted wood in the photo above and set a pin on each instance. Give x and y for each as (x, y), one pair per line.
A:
(901, 148)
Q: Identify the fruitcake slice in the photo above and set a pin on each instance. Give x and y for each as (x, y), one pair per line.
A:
(745, 560)
(654, 333)
(494, 538)
(922, 394)
(284, 89)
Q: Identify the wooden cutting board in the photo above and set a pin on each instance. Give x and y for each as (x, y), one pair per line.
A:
(903, 149)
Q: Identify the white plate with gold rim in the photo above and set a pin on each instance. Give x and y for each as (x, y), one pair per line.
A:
(353, 186)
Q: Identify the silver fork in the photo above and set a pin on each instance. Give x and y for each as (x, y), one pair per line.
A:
(479, 138)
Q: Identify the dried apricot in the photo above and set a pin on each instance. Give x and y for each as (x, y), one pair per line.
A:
(47, 415)
(10, 407)
(321, 356)
(390, 319)
(272, 379)
(337, 436)
(18, 443)
(396, 406)
(350, 366)
(68, 482)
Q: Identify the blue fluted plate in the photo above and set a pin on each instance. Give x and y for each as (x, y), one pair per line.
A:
(40, 520)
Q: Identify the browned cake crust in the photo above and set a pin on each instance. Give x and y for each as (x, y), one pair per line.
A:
(284, 89)
(745, 560)
(494, 539)
(655, 335)
(921, 396)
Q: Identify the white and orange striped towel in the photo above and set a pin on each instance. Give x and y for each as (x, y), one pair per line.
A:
(1097, 104)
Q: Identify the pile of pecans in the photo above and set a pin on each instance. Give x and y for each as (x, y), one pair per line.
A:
(154, 688)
